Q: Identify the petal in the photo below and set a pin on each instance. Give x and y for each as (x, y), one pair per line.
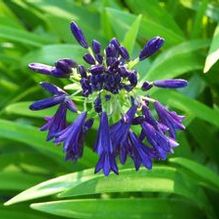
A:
(41, 68)
(47, 102)
(51, 88)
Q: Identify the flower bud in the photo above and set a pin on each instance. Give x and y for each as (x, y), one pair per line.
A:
(89, 59)
(78, 34)
(96, 46)
(171, 83)
(151, 47)
(124, 53)
(146, 86)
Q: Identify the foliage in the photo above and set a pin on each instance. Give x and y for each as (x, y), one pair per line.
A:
(184, 186)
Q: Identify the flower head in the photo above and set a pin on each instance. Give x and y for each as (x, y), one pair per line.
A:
(109, 87)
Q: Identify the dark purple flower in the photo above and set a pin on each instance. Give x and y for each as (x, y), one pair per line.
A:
(99, 58)
(78, 34)
(107, 97)
(65, 65)
(89, 59)
(55, 123)
(119, 131)
(157, 139)
(59, 97)
(41, 68)
(96, 46)
(62, 68)
(116, 43)
(97, 69)
(138, 120)
(151, 47)
(148, 117)
(72, 138)
(82, 71)
(146, 86)
(52, 88)
(104, 148)
(110, 61)
(171, 83)
(139, 153)
(110, 50)
(133, 79)
(47, 102)
(98, 105)
(123, 71)
(124, 53)
(169, 119)
(106, 86)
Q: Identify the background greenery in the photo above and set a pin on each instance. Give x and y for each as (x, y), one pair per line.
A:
(187, 185)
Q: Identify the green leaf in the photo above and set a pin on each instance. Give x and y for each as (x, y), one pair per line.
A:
(19, 214)
(53, 186)
(197, 25)
(49, 54)
(17, 180)
(63, 12)
(177, 60)
(34, 138)
(131, 35)
(23, 159)
(160, 179)
(212, 9)
(105, 25)
(206, 175)
(151, 9)
(120, 208)
(188, 105)
(213, 54)
(21, 36)
(9, 17)
(22, 108)
(148, 28)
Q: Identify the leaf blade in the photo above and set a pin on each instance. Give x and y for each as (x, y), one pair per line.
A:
(131, 35)
(213, 54)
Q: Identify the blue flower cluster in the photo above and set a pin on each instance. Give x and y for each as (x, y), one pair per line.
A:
(110, 85)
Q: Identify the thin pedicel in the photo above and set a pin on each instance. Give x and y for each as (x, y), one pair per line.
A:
(112, 94)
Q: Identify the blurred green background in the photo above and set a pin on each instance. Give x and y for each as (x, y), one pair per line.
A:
(187, 185)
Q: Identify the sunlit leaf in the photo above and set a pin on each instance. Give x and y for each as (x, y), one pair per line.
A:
(120, 208)
(130, 37)
(203, 172)
(213, 54)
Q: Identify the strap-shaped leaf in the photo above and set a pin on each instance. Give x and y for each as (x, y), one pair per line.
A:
(34, 138)
(207, 176)
(22, 36)
(121, 208)
(131, 35)
(148, 28)
(160, 179)
(213, 54)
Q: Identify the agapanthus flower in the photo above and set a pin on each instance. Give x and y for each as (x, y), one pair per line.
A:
(115, 100)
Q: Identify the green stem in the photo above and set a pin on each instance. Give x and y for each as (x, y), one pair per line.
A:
(133, 63)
